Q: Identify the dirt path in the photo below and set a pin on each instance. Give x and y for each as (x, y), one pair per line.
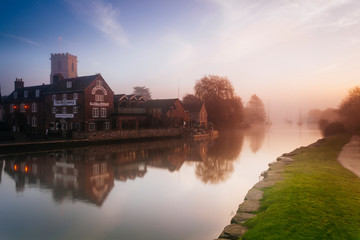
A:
(349, 156)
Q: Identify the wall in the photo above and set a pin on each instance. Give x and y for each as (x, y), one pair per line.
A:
(133, 134)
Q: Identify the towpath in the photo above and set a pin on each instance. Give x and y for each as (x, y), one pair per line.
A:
(349, 156)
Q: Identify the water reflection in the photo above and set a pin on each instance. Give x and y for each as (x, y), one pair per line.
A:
(88, 174)
(256, 137)
(218, 164)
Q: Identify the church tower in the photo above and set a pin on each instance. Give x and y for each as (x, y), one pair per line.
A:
(64, 64)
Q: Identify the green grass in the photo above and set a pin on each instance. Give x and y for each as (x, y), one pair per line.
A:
(318, 199)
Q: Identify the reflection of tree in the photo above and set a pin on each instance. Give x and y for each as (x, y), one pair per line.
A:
(218, 165)
(256, 135)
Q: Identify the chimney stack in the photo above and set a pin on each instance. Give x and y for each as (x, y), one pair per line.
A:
(19, 83)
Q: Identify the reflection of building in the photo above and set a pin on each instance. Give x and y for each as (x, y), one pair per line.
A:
(1, 168)
(73, 175)
(130, 171)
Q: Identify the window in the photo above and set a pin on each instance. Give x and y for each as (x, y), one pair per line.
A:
(99, 98)
(26, 94)
(53, 110)
(22, 107)
(72, 66)
(53, 97)
(64, 96)
(77, 126)
(96, 169)
(95, 112)
(91, 126)
(103, 112)
(103, 167)
(33, 121)
(37, 93)
(15, 95)
(64, 110)
(99, 83)
(69, 84)
(59, 66)
(34, 107)
(75, 110)
(107, 125)
(75, 96)
(52, 126)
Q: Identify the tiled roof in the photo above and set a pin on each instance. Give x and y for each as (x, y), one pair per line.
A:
(164, 104)
(31, 93)
(78, 84)
(194, 107)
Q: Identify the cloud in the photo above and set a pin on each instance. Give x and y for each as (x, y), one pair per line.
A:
(22, 39)
(103, 16)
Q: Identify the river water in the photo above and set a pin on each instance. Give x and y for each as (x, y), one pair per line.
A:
(177, 189)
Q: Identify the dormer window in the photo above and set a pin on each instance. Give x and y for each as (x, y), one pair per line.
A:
(26, 94)
(69, 84)
(15, 95)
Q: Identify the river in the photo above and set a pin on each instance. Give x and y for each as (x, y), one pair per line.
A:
(177, 189)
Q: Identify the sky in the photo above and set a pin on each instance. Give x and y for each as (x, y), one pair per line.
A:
(294, 54)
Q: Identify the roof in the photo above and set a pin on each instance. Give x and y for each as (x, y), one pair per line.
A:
(118, 97)
(31, 93)
(164, 104)
(194, 107)
(78, 84)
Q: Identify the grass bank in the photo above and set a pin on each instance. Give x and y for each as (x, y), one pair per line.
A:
(318, 199)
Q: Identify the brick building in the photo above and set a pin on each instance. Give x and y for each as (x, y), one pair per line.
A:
(79, 104)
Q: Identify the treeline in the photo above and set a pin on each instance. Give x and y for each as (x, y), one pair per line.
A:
(345, 118)
(225, 109)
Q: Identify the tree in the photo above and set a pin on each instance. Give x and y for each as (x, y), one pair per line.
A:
(255, 110)
(349, 110)
(142, 91)
(191, 99)
(214, 87)
(224, 108)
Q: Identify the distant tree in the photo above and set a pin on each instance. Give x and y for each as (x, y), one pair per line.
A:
(349, 110)
(190, 98)
(143, 91)
(214, 87)
(224, 108)
(255, 110)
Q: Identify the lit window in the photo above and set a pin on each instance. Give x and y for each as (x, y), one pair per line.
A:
(69, 84)
(34, 107)
(75, 110)
(95, 112)
(91, 126)
(15, 95)
(53, 97)
(64, 110)
(103, 112)
(37, 93)
(26, 94)
(75, 96)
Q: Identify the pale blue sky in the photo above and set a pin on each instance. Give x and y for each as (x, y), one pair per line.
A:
(294, 52)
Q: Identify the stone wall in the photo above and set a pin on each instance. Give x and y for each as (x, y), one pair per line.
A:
(133, 134)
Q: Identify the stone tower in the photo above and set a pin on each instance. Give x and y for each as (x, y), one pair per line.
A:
(64, 64)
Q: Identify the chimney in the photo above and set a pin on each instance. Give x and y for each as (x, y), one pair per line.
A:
(57, 77)
(19, 83)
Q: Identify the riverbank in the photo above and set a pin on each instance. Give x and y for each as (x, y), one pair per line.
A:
(306, 194)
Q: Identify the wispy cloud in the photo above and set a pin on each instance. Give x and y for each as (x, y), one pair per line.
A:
(18, 38)
(103, 16)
